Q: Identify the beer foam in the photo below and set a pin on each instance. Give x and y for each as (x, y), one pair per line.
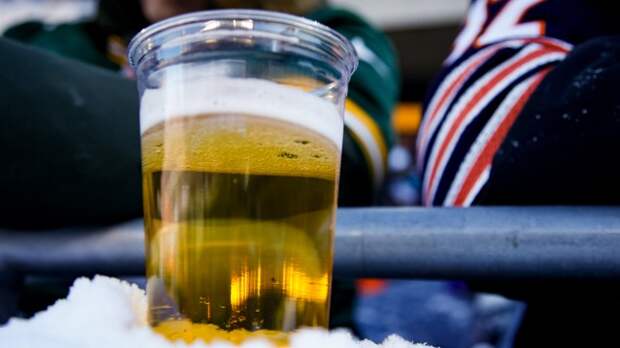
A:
(184, 94)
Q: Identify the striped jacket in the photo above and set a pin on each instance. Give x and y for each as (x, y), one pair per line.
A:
(502, 55)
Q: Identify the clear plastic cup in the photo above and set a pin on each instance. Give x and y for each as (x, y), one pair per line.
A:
(241, 125)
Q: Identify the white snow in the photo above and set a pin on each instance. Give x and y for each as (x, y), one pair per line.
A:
(107, 312)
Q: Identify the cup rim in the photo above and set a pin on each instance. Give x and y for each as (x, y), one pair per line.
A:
(347, 57)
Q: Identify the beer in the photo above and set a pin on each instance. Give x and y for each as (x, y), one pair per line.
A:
(240, 181)
(241, 120)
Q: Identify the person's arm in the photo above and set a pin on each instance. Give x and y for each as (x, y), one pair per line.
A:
(69, 142)
(373, 93)
(568, 134)
(500, 57)
(505, 54)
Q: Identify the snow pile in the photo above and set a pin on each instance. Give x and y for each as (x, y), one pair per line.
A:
(107, 312)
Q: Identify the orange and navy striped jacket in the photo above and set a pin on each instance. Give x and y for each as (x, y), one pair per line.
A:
(503, 53)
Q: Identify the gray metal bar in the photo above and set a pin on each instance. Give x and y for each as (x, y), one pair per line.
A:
(114, 250)
(480, 243)
(472, 243)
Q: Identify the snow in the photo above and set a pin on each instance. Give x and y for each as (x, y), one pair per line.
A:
(107, 312)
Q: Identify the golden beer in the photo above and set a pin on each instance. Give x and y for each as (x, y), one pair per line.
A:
(239, 215)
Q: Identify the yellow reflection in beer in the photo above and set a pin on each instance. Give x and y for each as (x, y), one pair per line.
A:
(295, 284)
(240, 288)
(299, 285)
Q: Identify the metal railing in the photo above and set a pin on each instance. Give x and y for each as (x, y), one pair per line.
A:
(507, 243)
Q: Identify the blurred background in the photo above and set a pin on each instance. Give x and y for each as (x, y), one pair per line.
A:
(422, 32)
(445, 314)
(429, 24)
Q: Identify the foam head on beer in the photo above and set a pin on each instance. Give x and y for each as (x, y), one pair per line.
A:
(186, 91)
(240, 179)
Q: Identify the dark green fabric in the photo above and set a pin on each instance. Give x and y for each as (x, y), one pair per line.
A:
(86, 41)
(68, 40)
(69, 142)
(375, 86)
(356, 186)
